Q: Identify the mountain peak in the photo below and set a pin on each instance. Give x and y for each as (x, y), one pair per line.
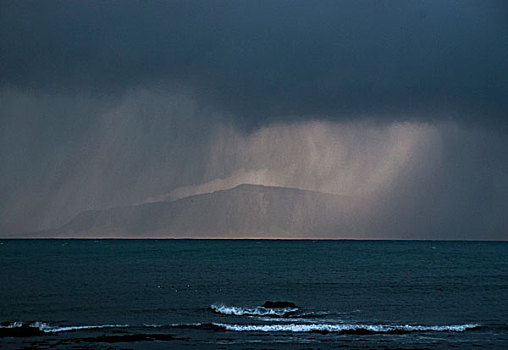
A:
(244, 211)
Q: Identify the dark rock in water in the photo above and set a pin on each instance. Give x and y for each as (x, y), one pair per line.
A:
(278, 304)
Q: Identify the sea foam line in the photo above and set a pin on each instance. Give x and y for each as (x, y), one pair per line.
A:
(258, 311)
(47, 328)
(342, 328)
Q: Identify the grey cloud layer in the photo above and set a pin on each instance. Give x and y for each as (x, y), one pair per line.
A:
(266, 61)
(52, 165)
(114, 103)
(415, 180)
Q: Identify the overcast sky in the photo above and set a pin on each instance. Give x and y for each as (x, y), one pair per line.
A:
(106, 103)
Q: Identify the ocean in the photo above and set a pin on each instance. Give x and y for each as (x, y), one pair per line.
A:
(213, 294)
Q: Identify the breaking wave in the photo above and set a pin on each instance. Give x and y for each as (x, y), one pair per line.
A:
(264, 312)
(257, 311)
(363, 329)
(21, 329)
(34, 329)
(344, 328)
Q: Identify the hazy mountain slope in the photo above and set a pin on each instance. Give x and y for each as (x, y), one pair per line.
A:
(243, 211)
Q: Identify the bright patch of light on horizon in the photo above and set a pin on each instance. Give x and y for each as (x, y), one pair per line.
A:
(353, 159)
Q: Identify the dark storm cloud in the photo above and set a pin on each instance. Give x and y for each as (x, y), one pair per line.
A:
(115, 103)
(266, 61)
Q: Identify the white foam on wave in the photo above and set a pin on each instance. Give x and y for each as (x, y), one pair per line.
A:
(258, 311)
(76, 328)
(286, 320)
(47, 328)
(342, 328)
(13, 325)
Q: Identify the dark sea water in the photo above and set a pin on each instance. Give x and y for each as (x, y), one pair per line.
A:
(158, 294)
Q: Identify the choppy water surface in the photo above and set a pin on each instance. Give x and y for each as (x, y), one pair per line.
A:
(212, 293)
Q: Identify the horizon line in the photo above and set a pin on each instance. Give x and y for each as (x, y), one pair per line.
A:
(249, 239)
